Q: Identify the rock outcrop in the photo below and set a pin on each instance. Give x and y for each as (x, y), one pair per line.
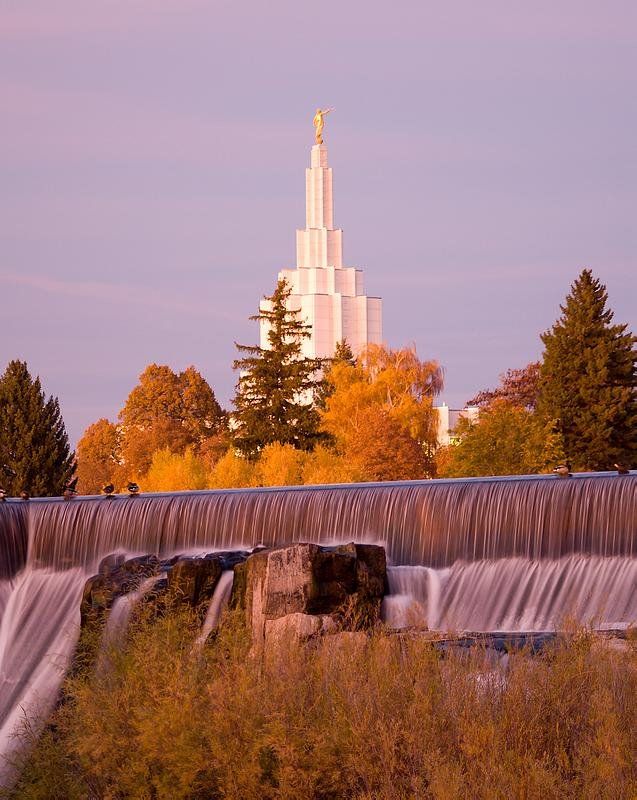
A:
(116, 577)
(183, 580)
(193, 580)
(300, 591)
(304, 590)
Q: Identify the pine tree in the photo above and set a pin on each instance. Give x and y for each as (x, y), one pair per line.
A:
(277, 387)
(588, 379)
(343, 354)
(35, 455)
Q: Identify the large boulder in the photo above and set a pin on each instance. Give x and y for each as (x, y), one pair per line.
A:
(116, 577)
(193, 580)
(339, 587)
(297, 627)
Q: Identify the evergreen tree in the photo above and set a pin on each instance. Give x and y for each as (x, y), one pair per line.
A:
(34, 449)
(343, 354)
(277, 387)
(588, 379)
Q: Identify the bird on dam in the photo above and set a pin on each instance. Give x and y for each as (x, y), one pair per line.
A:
(3, 494)
(622, 469)
(24, 495)
(563, 470)
(133, 489)
(108, 489)
(70, 490)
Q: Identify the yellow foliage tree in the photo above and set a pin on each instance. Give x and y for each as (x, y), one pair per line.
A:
(383, 383)
(324, 465)
(232, 472)
(280, 465)
(406, 387)
(506, 440)
(173, 472)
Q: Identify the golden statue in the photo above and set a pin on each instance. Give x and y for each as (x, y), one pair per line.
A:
(319, 123)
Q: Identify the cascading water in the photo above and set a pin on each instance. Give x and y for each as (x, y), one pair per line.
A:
(515, 594)
(218, 603)
(118, 618)
(521, 552)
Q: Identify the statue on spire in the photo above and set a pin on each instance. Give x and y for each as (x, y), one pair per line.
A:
(319, 123)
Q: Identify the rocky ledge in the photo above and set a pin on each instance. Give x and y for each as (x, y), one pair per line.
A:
(304, 590)
(301, 590)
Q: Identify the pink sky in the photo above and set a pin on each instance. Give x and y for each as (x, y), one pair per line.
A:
(152, 167)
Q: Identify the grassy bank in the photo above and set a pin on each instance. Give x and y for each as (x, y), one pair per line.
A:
(385, 718)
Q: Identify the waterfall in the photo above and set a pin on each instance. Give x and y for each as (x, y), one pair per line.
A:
(515, 594)
(520, 553)
(217, 605)
(118, 618)
(432, 523)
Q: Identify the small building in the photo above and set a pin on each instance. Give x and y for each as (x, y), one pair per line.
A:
(448, 419)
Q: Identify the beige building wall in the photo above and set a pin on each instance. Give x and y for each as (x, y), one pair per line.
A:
(448, 418)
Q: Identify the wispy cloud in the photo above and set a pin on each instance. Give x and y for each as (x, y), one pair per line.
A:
(130, 294)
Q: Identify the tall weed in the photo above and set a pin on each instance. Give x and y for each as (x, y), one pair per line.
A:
(351, 716)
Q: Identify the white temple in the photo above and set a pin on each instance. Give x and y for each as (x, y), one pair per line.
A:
(331, 297)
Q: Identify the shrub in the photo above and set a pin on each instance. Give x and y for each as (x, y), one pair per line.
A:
(379, 717)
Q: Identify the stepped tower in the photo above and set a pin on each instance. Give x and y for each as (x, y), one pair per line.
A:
(331, 297)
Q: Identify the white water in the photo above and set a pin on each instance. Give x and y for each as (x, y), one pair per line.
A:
(39, 630)
(514, 594)
(217, 605)
(118, 618)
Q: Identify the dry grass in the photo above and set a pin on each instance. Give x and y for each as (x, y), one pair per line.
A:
(379, 718)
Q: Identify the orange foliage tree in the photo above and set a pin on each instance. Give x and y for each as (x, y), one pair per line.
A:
(98, 457)
(389, 392)
(168, 410)
(166, 413)
(383, 450)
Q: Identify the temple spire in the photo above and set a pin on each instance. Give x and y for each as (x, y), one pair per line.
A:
(331, 298)
(319, 244)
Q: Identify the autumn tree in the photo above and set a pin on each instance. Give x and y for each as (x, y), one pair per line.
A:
(507, 439)
(275, 398)
(325, 465)
(588, 379)
(520, 387)
(35, 455)
(99, 457)
(280, 465)
(168, 410)
(174, 472)
(396, 385)
(232, 471)
(383, 450)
